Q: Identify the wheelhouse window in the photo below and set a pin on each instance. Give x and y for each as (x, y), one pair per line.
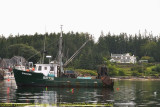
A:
(51, 68)
(45, 68)
(39, 68)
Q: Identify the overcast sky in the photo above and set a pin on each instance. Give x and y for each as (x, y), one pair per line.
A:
(92, 16)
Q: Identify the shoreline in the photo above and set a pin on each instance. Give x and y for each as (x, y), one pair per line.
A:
(135, 78)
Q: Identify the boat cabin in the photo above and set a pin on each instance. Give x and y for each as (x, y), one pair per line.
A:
(47, 69)
(19, 67)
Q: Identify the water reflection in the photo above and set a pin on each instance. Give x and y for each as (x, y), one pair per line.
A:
(125, 93)
(7, 91)
(137, 93)
(63, 95)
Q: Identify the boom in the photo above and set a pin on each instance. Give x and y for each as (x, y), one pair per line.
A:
(74, 55)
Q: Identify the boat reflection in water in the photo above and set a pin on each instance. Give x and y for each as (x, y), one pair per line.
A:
(62, 95)
(125, 94)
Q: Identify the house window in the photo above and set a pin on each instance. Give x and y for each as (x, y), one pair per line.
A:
(39, 68)
(45, 68)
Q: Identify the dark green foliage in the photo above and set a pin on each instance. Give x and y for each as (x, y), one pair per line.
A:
(140, 68)
(154, 73)
(150, 59)
(24, 51)
(121, 73)
(91, 55)
(113, 73)
(136, 73)
(112, 70)
(156, 68)
(3, 47)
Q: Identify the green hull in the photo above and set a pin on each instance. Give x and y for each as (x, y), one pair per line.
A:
(24, 78)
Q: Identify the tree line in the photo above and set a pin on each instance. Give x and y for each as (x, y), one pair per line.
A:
(92, 55)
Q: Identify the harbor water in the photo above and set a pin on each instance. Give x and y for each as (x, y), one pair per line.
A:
(126, 93)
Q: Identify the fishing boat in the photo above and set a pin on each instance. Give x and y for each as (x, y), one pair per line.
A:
(53, 75)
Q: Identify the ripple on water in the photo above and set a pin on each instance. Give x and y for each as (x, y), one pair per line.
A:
(98, 95)
(92, 101)
(3, 99)
(130, 104)
(26, 94)
(110, 100)
(142, 105)
(158, 104)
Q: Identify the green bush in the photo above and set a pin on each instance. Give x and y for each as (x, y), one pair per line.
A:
(136, 73)
(147, 73)
(140, 70)
(112, 70)
(135, 68)
(156, 68)
(121, 72)
(113, 73)
(153, 73)
(149, 64)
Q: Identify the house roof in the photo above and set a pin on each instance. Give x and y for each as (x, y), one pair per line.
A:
(18, 60)
(6, 60)
(126, 54)
(5, 63)
(118, 54)
(118, 58)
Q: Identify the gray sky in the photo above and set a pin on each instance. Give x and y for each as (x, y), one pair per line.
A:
(92, 16)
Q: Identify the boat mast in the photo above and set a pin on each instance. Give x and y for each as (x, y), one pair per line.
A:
(60, 52)
(44, 49)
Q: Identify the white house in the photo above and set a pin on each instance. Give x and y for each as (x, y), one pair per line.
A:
(123, 58)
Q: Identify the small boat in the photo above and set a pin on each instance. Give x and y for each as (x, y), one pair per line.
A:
(8, 75)
(53, 75)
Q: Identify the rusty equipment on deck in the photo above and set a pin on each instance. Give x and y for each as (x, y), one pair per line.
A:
(103, 74)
